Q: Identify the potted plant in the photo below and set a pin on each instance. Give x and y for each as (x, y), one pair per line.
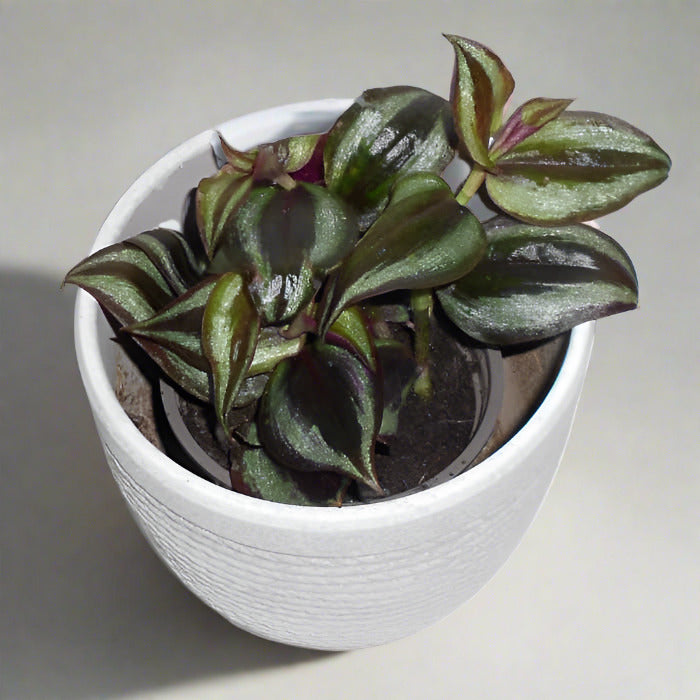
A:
(326, 233)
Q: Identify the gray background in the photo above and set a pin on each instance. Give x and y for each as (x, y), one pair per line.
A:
(602, 599)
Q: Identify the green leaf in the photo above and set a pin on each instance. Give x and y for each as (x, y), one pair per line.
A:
(576, 167)
(320, 412)
(272, 348)
(172, 337)
(230, 328)
(251, 389)
(386, 133)
(171, 253)
(351, 331)
(125, 282)
(481, 85)
(423, 239)
(525, 121)
(288, 240)
(217, 200)
(260, 476)
(399, 372)
(536, 282)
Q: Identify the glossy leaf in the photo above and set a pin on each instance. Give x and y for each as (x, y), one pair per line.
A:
(288, 239)
(525, 121)
(230, 328)
(125, 282)
(385, 134)
(481, 85)
(320, 412)
(251, 389)
(351, 330)
(172, 337)
(423, 239)
(217, 200)
(576, 167)
(536, 282)
(271, 349)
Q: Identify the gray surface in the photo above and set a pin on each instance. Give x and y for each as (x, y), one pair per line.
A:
(602, 599)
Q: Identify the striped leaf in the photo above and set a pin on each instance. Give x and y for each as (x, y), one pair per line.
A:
(217, 200)
(535, 282)
(386, 133)
(173, 338)
(525, 121)
(174, 257)
(125, 282)
(288, 240)
(271, 349)
(320, 412)
(481, 85)
(423, 239)
(229, 334)
(576, 167)
(351, 330)
(258, 475)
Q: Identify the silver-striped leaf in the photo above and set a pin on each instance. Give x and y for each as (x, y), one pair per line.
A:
(385, 134)
(481, 85)
(321, 412)
(576, 167)
(535, 282)
(423, 239)
(229, 335)
(173, 338)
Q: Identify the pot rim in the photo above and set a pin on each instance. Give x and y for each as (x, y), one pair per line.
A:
(112, 419)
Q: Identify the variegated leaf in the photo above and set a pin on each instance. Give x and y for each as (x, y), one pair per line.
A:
(481, 85)
(173, 338)
(217, 200)
(525, 121)
(385, 134)
(536, 282)
(320, 412)
(171, 253)
(578, 166)
(258, 475)
(423, 239)
(271, 349)
(230, 328)
(288, 239)
(125, 282)
(351, 330)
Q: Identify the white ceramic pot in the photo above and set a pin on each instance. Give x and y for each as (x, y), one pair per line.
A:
(323, 578)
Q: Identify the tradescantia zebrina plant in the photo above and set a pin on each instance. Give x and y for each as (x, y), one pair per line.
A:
(308, 249)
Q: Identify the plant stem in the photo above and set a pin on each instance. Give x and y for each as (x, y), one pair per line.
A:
(422, 308)
(471, 185)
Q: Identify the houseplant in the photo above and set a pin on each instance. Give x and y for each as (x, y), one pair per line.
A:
(276, 569)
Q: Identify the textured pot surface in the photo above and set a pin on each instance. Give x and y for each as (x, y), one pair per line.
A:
(325, 578)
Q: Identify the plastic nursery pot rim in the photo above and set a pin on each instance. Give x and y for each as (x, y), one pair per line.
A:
(111, 417)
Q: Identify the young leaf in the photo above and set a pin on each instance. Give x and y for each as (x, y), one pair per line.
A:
(217, 200)
(423, 239)
(172, 337)
(320, 412)
(386, 133)
(288, 239)
(576, 167)
(525, 121)
(230, 328)
(271, 349)
(535, 282)
(351, 331)
(125, 282)
(481, 85)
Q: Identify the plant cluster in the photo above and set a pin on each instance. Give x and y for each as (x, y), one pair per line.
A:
(277, 314)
